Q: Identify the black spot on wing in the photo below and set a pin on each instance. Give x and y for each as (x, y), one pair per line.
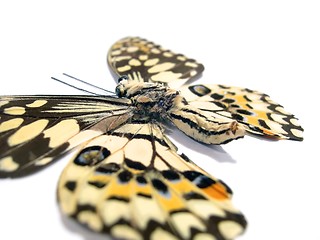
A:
(216, 96)
(199, 90)
(97, 184)
(193, 195)
(144, 195)
(118, 198)
(141, 180)
(108, 169)
(134, 165)
(171, 175)
(198, 179)
(71, 185)
(245, 112)
(203, 181)
(238, 117)
(125, 176)
(228, 100)
(159, 186)
(263, 123)
(191, 175)
(91, 156)
(220, 104)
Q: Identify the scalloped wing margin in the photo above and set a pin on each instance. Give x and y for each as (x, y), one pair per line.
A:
(258, 113)
(132, 185)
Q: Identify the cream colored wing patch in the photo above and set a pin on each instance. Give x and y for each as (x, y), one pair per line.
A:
(132, 185)
(143, 60)
(254, 110)
(36, 130)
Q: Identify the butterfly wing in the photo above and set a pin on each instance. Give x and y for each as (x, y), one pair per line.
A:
(143, 60)
(254, 110)
(132, 184)
(35, 130)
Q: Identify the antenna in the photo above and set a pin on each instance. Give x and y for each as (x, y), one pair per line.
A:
(82, 81)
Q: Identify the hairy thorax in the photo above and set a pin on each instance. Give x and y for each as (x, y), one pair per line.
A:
(151, 101)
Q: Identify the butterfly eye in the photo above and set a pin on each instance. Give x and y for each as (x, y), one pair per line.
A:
(123, 77)
(120, 91)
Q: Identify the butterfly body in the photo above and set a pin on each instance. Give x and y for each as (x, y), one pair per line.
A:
(156, 102)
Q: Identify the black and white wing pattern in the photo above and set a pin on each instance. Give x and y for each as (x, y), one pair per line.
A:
(132, 184)
(255, 111)
(251, 110)
(126, 178)
(36, 130)
(143, 60)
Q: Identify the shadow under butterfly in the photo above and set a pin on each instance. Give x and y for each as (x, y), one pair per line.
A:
(126, 178)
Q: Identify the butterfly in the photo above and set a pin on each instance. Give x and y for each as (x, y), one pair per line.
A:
(125, 177)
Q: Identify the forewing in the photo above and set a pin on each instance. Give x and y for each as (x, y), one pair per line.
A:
(35, 130)
(132, 184)
(143, 60)
(255, 110)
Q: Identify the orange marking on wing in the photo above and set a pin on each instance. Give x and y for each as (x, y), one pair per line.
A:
(100, 178)
(217, 191)
(144, 189)
(172, 203)
(182, 186)
(115, 188)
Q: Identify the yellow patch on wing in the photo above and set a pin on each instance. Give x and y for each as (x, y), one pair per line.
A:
(8, 165)
(57, 133)
(165, 76)
(134, 62)
(230, 229)
(162, 234)
(190, 221)
(151, 62)
(27, 132)
(43, 161)
(15, 110)
(161, 67)
(94, 222)
(124, 68)
(37, 103)
(10, 124)
(125, 232)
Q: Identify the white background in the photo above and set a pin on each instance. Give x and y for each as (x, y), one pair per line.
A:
(271, 46)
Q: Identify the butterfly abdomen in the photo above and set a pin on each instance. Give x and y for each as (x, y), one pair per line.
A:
(204, 128)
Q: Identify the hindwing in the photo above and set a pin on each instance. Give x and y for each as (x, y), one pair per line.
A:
(254, 110)
(132, 184)
(146, 61)
(35, 130)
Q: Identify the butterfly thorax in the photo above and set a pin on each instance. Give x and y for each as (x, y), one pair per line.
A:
(151, 101)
